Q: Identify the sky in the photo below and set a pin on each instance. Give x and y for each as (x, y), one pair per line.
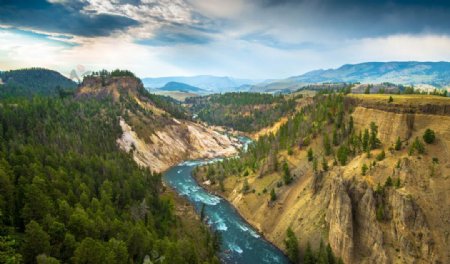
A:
(260, 39)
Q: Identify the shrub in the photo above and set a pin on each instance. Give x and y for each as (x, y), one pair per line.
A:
(381, 156)
(364, 169)
(429, 136)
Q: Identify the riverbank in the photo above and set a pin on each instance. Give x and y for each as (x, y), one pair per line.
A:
(222, 195)
(241, 243)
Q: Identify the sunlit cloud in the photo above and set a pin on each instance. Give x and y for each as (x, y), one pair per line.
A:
(257, 39)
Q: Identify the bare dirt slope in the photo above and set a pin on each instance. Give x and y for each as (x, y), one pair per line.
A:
(408, 224)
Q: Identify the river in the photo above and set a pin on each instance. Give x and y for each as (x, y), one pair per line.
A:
(240, 242)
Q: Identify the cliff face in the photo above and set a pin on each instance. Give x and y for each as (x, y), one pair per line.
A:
(407, 224)
(155, 139)
(175, 143)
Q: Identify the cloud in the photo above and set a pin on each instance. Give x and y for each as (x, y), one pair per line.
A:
(61, 17)
(243, 38)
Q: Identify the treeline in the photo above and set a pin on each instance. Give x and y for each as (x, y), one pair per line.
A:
(327, 117)
(324, 254)
(33, 81)
(247, 112)
(69, 195)
(166, 103)
(114, 73)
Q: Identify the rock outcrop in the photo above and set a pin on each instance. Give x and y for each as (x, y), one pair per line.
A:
(175, 143)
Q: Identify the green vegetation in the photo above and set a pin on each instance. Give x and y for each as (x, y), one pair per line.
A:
(429, 136)
(34, 81)
(325, 114)
(323, 255)
(246, 112)
(166, 103)
(273, 195)
(381, 155)
(114, 73)
(68, 193)
(364, 169)
(310, 154)
(418, 146)
(287, 177)
(398, 144)
(342, 155)
(291, 244)
(324, 164)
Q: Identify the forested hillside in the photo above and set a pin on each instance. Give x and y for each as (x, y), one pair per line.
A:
(69, 195)
(352, 170)
(247, 112)
(33, 81)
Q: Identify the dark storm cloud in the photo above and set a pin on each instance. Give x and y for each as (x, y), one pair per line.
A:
(371, 18)
(60, 18)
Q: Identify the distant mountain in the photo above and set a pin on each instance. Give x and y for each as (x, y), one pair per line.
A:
(213, 84)
(436, 74)
(33, 81)
(181, 87)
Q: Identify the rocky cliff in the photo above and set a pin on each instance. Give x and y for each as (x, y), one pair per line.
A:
(363, 223)
(155, 138)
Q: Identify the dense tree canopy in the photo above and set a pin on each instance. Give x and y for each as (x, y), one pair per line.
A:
(246, 112)
(33, 81)
(68, 193)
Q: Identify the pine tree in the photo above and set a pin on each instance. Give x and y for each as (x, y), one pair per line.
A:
(286, 174)
(342, 154)
(365, 140)
(398, 144)
(310, 154)
(315, 164)
(324, 164)
(309, 256)
(326, 145)
(364, 169)
(291, 244)
(36, 241)
(273, 195)
(374, 142)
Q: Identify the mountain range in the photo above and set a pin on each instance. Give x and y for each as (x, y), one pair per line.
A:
(182, 87)
(436, 74)
(213, 84)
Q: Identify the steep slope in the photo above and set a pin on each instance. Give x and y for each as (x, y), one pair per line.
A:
(156, 139)
(398, 212)
(68, 194)
(33, 81)
(407, 73)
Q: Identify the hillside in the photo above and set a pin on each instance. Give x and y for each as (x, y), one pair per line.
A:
(156, 130)
(181, 87)
(436, 74)
(245, 112)
(33, 81)
(213, 84)
(69, 194)
(375, 197)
